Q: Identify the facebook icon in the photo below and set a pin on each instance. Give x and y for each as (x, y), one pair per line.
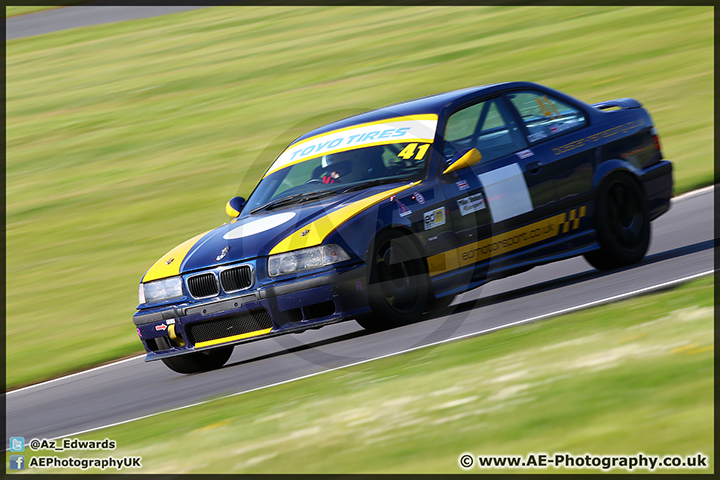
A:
(17, 462)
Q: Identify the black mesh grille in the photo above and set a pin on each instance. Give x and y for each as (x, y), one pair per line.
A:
(230, 326)
(236, 278)
(203, 285)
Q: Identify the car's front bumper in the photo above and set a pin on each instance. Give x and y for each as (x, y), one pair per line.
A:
(290, 305)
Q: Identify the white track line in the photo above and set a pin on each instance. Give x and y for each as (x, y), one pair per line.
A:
(74, 374)
(674, 199)
(694, 193)
(621, 296)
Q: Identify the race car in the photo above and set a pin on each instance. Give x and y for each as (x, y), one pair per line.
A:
(392, 213)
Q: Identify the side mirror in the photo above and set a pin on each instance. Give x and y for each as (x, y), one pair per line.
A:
(463, 159)
(234, 206)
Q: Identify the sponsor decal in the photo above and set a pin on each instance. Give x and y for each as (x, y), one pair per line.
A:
(169, 261)
(471, 204)
(462, 185)
(611, 132)
(418, 198)
(525, 154)
(251, 226)
(413, 128)
(434, 218)
(161, 328)
(534, 137)
(402, 209)
(170, 321)
(139, 334)
(304, 232)
(505, 242)
(222, 254)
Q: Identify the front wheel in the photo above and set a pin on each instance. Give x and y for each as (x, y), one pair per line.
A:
(199, 361)
(398, 283)
(622, 222)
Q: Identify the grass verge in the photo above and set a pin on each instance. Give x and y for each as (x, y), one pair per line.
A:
(634, 376)
(23, 10)
(123, 140)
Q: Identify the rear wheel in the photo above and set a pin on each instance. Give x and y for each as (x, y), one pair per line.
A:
(622, 223)
(398, 283)
(196, 362)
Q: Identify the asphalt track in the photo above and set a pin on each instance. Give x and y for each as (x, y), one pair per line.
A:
(682, 246)
(54, 20)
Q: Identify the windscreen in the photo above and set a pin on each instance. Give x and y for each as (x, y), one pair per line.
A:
(392, 150)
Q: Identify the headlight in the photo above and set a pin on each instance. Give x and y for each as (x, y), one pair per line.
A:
(306, 259)
(159, 290)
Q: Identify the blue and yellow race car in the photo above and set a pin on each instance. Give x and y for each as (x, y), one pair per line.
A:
(383, 216)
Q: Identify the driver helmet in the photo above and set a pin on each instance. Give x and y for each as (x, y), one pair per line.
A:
(339, 162)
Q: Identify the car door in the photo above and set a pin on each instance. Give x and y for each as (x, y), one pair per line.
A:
(555, 130)
(501, 191)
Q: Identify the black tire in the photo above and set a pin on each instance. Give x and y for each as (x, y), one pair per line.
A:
(622, 222)
(397, 284)
(196, 362)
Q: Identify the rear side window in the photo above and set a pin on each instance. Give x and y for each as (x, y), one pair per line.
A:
(545, 116)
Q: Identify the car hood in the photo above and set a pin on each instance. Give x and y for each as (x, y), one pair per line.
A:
(264, 233)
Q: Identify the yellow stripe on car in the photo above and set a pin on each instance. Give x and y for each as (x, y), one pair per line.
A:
(233, 338)
(504, 243)
(314, 233)
(169, 264)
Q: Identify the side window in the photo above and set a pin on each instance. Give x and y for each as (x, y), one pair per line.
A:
(545, 116)
(462, 125)
(487, 126)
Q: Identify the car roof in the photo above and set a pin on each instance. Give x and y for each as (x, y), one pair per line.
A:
(423, 105)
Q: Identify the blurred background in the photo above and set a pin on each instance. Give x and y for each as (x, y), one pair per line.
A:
(125, 139)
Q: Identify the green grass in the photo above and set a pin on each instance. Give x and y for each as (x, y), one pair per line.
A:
(123, 140)
(14, 11)
(635, 376)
